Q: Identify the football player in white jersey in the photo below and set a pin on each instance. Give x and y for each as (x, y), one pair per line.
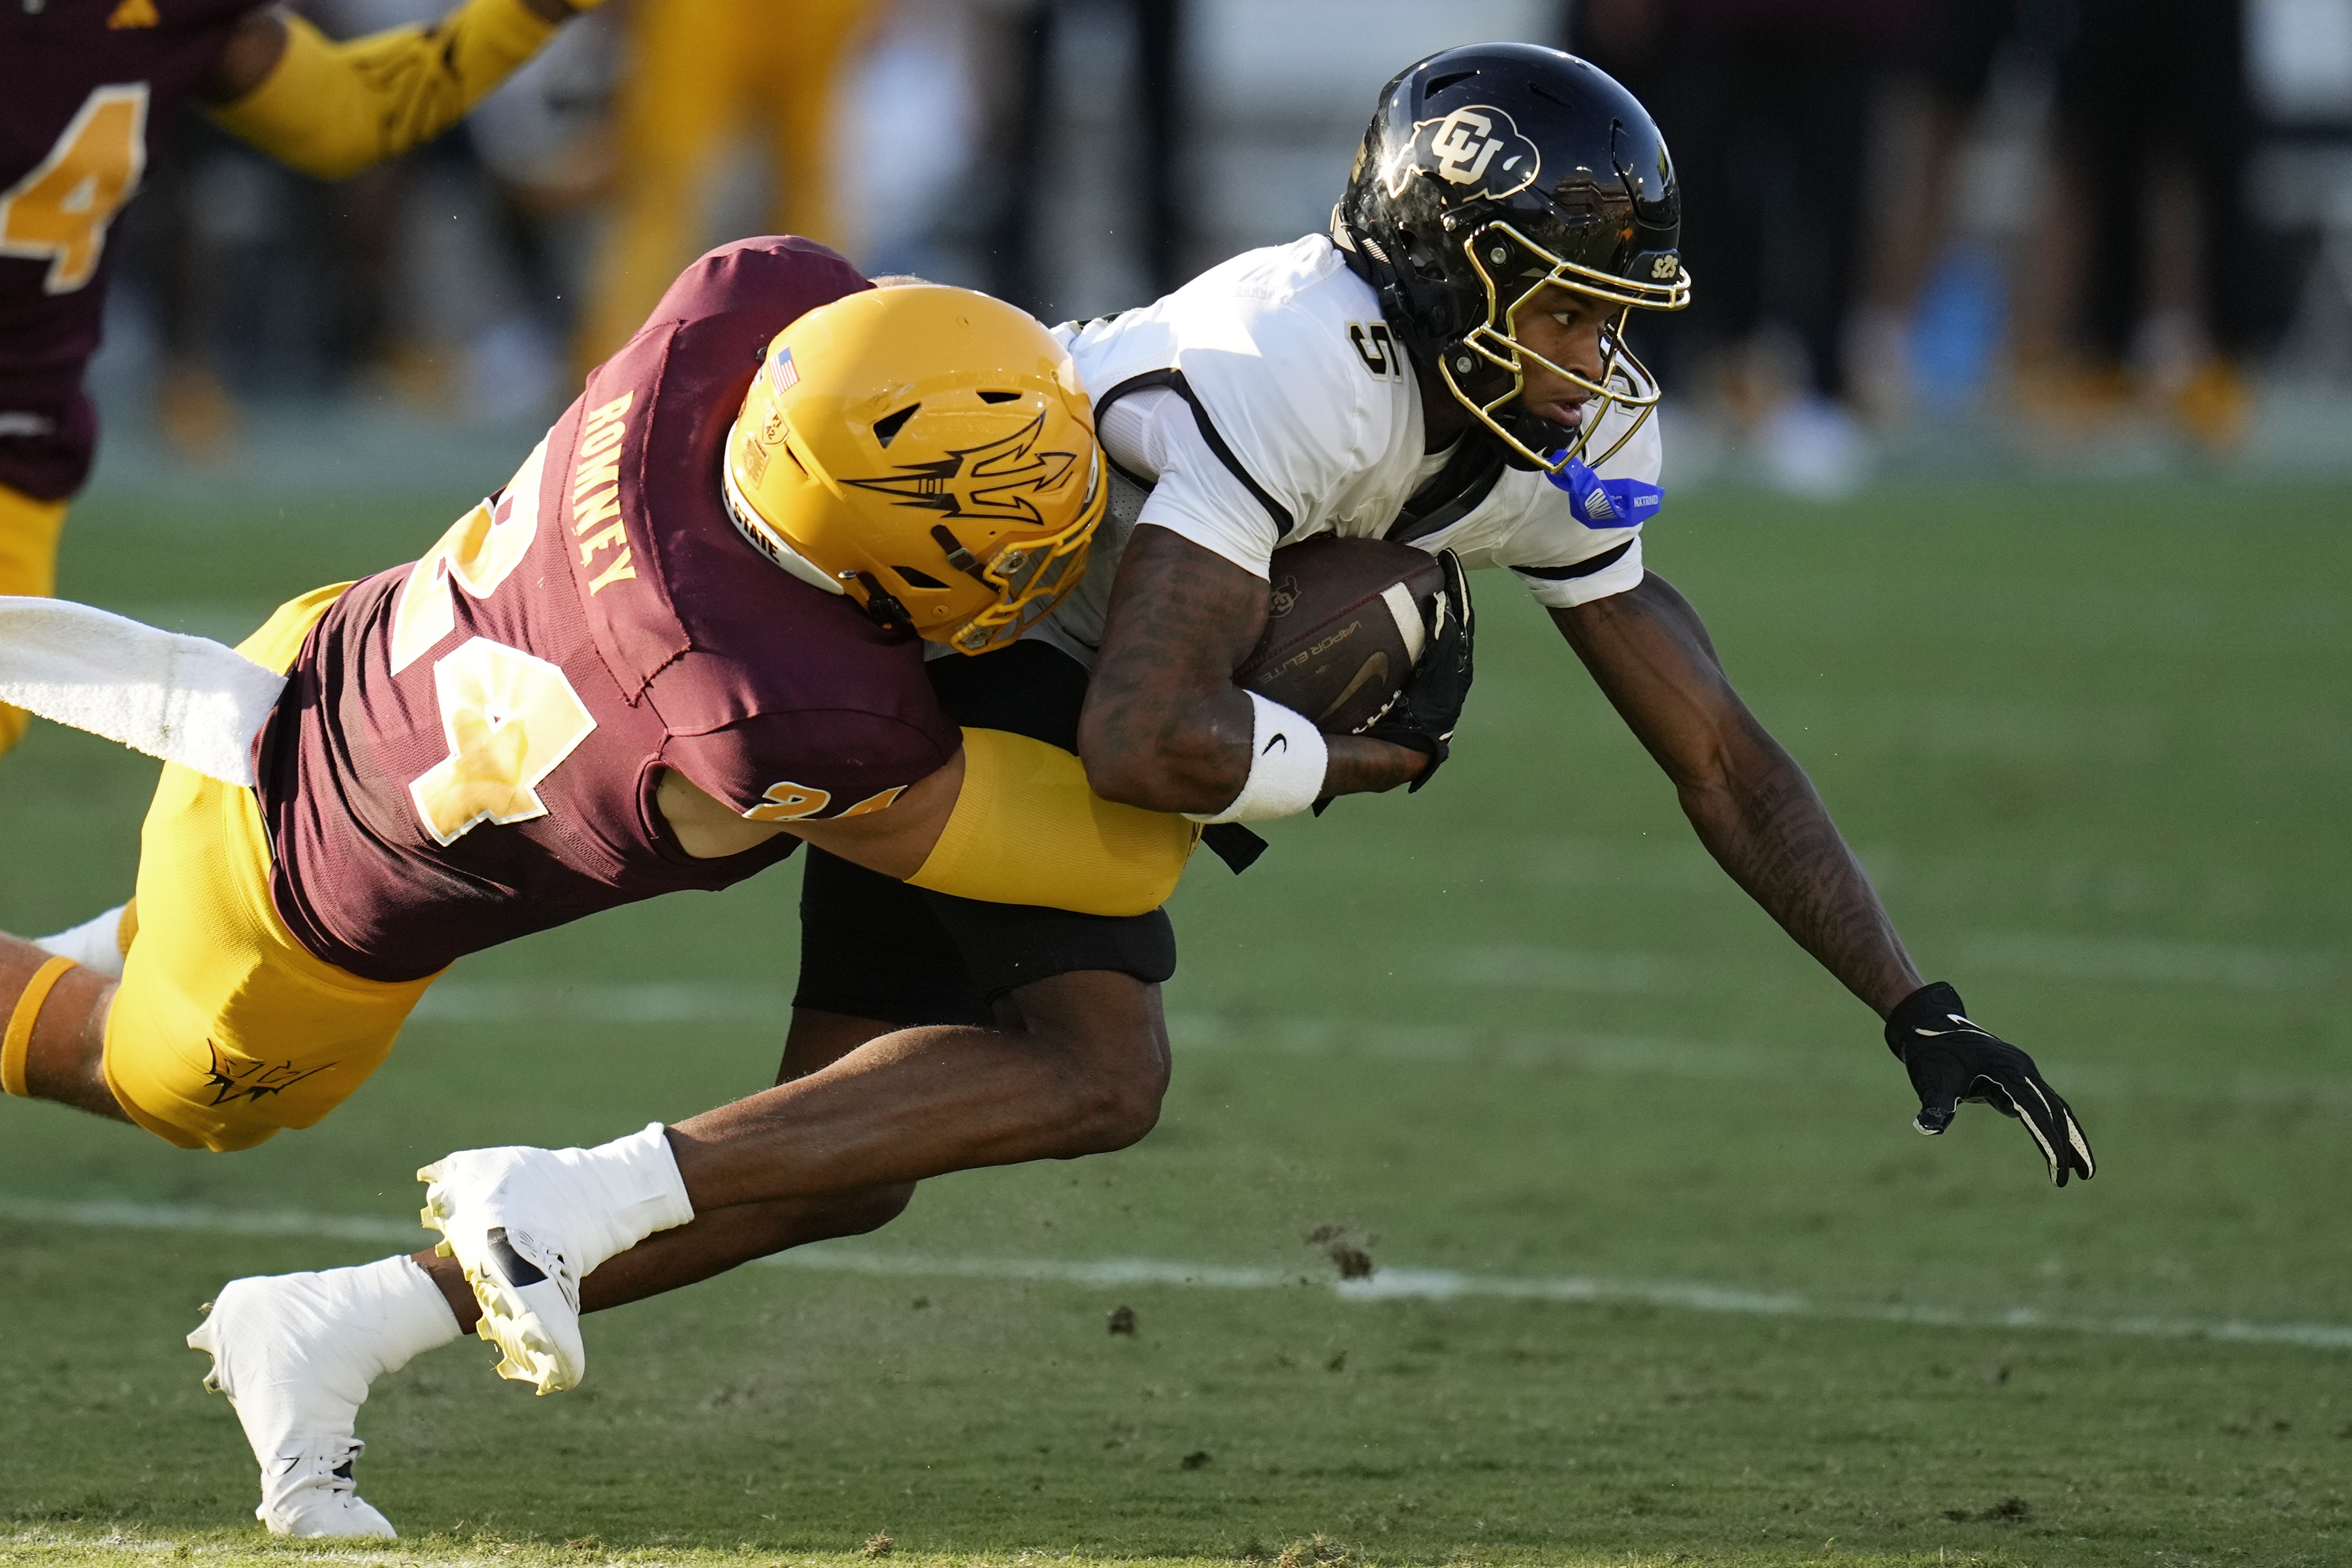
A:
(1445, 368)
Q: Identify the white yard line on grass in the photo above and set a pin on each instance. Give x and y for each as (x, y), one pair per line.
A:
(1387, 1285)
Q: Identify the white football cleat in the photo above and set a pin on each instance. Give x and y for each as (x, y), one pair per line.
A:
(528, 1224)
(296, 1355)
(501, 1214)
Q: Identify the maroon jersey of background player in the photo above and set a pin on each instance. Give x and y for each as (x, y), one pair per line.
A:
(469, 744)
(86, 88)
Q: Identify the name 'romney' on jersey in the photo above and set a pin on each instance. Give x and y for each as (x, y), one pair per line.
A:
(1267, 401)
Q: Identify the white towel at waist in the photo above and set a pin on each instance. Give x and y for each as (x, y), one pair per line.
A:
(186, 700)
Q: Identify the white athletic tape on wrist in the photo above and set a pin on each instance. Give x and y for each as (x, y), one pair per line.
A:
(1287, 761)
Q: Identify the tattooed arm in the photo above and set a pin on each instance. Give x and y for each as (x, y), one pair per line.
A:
(1753, 806)
(1165, 728)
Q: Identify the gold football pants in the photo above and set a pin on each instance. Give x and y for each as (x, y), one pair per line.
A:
(28, 565)
(700, 70)
(225, 1029)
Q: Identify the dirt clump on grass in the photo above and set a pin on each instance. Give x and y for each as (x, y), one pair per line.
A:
(2008, 1510)
(1352, 1257)
(1317, 1552)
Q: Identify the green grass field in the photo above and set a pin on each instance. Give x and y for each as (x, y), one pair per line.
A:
(1703, 1296)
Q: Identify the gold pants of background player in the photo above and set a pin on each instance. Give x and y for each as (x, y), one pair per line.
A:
(701, 73)
(28, 565)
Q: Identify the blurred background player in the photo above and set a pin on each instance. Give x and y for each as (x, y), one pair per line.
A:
(701, 73)
(1770, 103)
(2154, 124)
(93, 89)
(2038, 212)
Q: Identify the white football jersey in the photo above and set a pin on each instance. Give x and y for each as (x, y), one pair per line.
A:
(1267, 401)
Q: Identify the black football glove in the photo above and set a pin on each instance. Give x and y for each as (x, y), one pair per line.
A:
(1426, 712)
(1951, 1059)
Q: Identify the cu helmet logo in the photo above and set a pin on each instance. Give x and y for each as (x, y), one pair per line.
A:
(1477, 146)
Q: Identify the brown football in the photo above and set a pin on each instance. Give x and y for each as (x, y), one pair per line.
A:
(1346, 622)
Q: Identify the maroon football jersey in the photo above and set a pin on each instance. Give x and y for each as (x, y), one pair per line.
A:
(468, 745)
(86, 87)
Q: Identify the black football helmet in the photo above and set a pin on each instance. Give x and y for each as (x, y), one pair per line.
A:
(1494, 170)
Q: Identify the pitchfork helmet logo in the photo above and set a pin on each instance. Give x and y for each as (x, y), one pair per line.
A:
(1000, 480)
(1477, 149)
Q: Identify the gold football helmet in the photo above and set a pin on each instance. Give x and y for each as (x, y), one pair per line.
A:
(928, 452)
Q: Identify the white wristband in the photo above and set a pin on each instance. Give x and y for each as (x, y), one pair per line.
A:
(1288, 759)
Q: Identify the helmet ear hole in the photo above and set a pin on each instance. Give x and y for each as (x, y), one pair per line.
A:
(915, 579)
(886, 429)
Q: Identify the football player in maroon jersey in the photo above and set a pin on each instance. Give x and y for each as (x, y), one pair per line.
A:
(86, 87)
(685, 637)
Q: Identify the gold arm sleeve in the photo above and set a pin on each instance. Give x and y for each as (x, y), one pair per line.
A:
(1028, 830)
(332, 109)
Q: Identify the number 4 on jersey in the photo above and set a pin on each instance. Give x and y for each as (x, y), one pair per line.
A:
(511, 718)
(59, 211)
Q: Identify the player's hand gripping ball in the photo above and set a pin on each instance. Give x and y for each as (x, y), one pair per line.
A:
(1366, 637)
(1424, 713)
(1346, 621)
(1951, 1059)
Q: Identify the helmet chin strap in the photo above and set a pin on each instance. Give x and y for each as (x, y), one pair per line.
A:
(1543, 435)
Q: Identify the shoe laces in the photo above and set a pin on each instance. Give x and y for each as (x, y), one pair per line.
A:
(339, 1479)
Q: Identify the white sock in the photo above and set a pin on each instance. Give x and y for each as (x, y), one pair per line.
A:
(95, 944)
(400, 1303)
(297, 1354)
(640, 1190)
(298, 1351)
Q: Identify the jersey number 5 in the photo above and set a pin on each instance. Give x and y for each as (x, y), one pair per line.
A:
(59, 211)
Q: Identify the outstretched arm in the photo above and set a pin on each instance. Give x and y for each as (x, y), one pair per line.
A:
(333, 109)
(1761, 817)
(1165, 727)
(1754, 808)
(1008, 820)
